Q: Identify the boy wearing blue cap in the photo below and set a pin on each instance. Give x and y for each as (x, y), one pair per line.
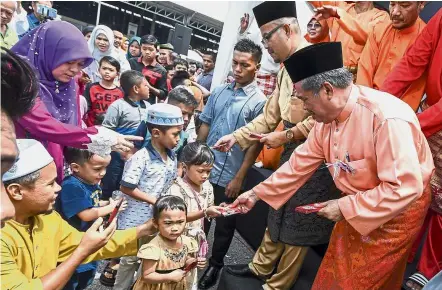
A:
(148, 174)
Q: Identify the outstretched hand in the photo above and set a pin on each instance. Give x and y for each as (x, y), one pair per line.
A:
(125, 143)
(96, 236)
(245, 201)
(225, 143)
(274, 140)
(244, 23)
(331, 210)
(325, 12)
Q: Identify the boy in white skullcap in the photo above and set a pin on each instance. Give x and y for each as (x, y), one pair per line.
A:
(39, 250)
(147, 175)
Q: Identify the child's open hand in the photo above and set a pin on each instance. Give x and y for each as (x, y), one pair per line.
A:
(123, 206)
(114, 202)
(213, 211)
(177, 275)
(201, 262)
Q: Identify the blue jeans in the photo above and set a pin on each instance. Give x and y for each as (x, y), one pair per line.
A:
(80, 281)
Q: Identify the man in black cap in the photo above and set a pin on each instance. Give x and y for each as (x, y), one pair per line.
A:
(289, 234)
(380, 160)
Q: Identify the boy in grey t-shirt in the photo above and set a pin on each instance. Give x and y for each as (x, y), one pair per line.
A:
(124, 116)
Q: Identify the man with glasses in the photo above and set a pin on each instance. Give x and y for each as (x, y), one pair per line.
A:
(289, 233)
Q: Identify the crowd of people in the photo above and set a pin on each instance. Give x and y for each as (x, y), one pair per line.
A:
(120, 150)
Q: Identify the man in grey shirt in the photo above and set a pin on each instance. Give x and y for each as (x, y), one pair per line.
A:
(205, 78)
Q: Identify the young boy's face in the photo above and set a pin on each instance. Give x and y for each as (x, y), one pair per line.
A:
(170, 138)
(143, 90)
(108, 72)
(148, 51)
(93, 170)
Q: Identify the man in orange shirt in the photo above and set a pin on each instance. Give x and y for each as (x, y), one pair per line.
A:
(350, 24)
(380, 159)
(387, 44)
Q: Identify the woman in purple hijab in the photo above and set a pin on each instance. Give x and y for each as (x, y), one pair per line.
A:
(58, 51)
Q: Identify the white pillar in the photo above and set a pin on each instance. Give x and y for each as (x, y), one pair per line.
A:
(98, 13)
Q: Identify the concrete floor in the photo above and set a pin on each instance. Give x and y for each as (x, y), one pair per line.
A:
(239, 253)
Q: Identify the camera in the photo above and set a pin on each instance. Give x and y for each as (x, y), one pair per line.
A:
(47, 13)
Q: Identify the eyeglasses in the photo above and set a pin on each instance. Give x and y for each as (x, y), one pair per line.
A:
(315, 26)
(266, 37)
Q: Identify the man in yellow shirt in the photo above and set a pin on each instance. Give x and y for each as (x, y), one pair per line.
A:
(37, 239)
(20, 85)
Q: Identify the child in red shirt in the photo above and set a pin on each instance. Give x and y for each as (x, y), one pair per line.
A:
(101, 94)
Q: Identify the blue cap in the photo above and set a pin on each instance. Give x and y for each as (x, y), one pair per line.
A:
(164, 115)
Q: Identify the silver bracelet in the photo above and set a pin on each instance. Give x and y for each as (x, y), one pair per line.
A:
(205, 214)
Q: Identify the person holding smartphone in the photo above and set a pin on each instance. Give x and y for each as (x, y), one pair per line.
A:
(54, 249)
(26, 22)
(80, 204)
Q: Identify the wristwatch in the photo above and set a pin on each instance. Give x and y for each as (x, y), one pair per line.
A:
(289, 135)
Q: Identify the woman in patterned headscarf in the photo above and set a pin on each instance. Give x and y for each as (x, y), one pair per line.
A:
(57, 51)
(101, 44)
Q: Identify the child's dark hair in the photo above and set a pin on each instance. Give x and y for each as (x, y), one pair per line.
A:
(20, 85)
(129, 79)
(75, 155)
(197, 153)
(182, 95)
(163, 129)
(112, 61)
(168, 202)
(180, 61)
(178, 78)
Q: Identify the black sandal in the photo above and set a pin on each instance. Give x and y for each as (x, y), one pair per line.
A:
(109, 282)
(417, 278)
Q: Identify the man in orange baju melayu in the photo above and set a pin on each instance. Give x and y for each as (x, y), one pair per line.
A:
(386, 46)
(373, 146)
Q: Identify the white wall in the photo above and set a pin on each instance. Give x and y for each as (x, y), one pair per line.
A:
(231, 28)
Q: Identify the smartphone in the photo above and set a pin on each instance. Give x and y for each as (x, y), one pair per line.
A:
(256, 136)
(191, 266)
(46, 11)
(114, 213)
(309, 208)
